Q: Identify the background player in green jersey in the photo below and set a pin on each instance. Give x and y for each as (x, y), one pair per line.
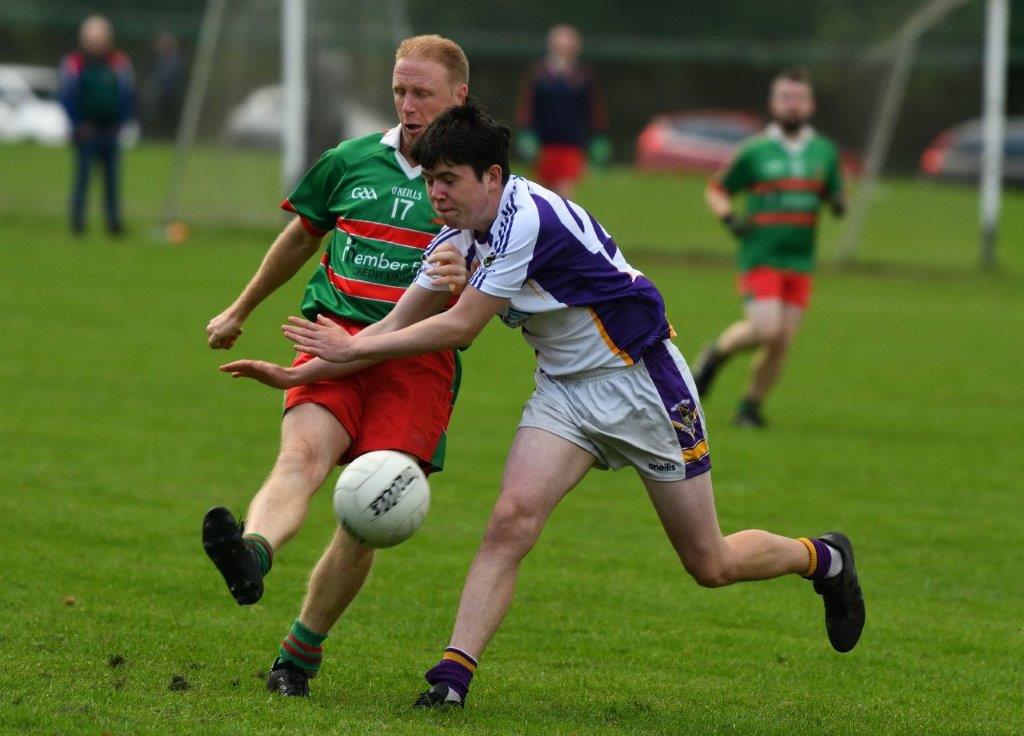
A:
(787, 173)
(367, 195)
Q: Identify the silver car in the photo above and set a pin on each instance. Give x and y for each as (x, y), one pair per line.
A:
(956, 153)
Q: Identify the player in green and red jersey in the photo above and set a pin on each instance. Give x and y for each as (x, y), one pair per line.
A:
(368, 197)
(786, 173)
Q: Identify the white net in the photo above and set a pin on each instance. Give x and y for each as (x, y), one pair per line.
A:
(227, 167)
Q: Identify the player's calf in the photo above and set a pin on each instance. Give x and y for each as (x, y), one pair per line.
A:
(512, 529)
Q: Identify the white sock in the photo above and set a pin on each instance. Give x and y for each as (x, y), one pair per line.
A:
(836, 566)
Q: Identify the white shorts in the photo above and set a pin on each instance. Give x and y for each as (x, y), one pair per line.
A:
(647, 415)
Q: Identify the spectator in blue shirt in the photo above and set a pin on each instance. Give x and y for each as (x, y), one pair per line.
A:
(97, 89)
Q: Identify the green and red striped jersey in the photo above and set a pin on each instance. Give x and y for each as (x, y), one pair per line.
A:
(785, 181)
(376, 208)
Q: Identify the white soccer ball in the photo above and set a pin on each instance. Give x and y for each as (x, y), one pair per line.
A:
(381, 498)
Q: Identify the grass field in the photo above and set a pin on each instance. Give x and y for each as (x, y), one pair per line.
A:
(899, 420)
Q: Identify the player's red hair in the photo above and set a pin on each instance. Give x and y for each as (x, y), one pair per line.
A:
(442, 50)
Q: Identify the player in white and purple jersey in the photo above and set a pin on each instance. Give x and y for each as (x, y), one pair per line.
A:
(612, 389)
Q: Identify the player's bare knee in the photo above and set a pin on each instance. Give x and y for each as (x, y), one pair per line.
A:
(779, 342)
(512, 527)
(772, 336)
(298, 458)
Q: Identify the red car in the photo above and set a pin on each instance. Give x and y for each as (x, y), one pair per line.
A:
(704, 141)
(698, 140)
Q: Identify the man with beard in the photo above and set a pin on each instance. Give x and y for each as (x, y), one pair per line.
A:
(787, 173)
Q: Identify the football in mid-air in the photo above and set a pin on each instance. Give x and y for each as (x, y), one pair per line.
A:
(381, 498)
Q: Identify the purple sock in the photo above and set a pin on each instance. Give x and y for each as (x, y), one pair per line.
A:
(821, 558)
(455, 669)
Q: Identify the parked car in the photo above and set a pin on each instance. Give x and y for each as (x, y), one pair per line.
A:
(705, 141)
(956, 153)
(29, 110)
(42, 80)
(698, 140)
(259, 119)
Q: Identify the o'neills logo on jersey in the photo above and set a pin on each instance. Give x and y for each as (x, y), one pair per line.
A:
(407, 193)
(364, 193)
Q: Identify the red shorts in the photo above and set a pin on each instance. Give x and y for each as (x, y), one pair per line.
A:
(765, 282)
(559, 163)
(401, 404)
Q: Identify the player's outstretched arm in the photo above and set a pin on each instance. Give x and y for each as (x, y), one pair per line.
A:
(285, 377)
(446, 267)
(267, 373)
(290, 250)
(420, 306)
(455, 328)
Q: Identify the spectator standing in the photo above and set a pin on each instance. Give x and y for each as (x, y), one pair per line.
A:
(164, 88)
(562, 114)
(97, 89)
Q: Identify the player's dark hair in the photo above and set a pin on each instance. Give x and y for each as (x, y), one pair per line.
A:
(794, 74)
(465, 134)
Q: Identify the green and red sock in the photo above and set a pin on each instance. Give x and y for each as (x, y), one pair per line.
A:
(261, 548)
(303, 648)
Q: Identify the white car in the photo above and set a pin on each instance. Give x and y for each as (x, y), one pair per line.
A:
(29, 110)
(259, 119)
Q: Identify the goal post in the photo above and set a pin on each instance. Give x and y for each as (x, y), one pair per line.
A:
(997, 26)
(902, 48)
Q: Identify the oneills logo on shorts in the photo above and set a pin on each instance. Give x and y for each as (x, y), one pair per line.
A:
(663, 467)
(364, 193)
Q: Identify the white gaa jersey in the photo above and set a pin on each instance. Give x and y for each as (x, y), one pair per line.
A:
(579, 303)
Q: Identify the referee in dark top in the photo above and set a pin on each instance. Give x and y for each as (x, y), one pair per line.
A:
(562, 114)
